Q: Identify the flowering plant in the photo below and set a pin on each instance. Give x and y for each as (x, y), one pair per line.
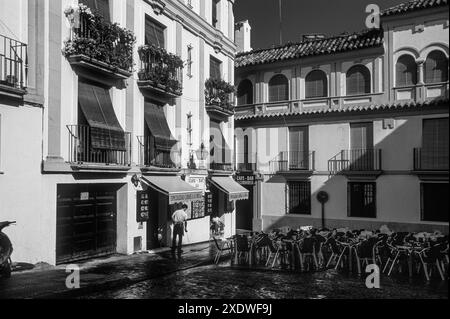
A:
(161, 67)
(219, 92)
(99, 39)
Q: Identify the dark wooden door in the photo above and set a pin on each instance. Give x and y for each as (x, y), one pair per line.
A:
(153, 221)
(86, 221)
(244, 212)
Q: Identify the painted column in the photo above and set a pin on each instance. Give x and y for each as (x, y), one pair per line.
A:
(179, 108)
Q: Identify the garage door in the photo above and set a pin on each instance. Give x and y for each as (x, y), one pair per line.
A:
(86, 221)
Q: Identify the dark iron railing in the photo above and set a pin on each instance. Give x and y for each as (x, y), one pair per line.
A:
(220, 94)
(81, 151)
(293, 161)
(246, 162)
(150, 156)
(161, 69)
(13, 63)
(221, 166)
(99, 39)
(356, 160)
(430, 160)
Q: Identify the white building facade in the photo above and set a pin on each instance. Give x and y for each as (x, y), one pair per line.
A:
(105, 140)
(361, 119)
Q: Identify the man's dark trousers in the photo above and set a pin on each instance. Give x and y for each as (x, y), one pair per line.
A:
(178, 230)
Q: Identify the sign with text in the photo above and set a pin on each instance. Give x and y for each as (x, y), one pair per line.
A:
(245, 179)
(208, 203)
(143, 207)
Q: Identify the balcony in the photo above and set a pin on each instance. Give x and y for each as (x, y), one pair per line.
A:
(98, 50)
(300, 162)
(83, 156)
(13, 67)
(422, 92)
(149, 157)
(356, 162)
(431, 160)
(160, 73)
(246, 162)
(219, 99)
(226, 167)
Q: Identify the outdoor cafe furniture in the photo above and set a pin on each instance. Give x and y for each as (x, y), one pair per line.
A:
(222, 246)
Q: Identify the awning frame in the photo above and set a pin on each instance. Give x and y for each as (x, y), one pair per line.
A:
(177, 196)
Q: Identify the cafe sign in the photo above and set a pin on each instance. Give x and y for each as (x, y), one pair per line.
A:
(245, 179)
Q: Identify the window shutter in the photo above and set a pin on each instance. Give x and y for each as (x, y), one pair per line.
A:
(154, 33)
(406, 71)
(358, 80)
(99, 6)
(361, 136)
(278, 89)
(215, 68)
(436, 67)
(316, 84)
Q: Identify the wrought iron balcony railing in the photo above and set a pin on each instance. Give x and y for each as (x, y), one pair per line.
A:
(13, 63)
(246, 162)
(82, 152)
(150, 156)
(160, 71)
(293, 161)
(356, 160)
(431, 159)
(98, 42)
(221, 166)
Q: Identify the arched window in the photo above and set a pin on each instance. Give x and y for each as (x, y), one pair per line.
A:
(316, 84)
(406, 71)
(358, 80)
(245, 93)
(436, 67)
(278, 88)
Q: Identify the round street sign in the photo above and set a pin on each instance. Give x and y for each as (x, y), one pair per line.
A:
(323, 197)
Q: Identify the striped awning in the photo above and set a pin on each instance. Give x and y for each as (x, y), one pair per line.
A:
(174, 187)
(232, 189)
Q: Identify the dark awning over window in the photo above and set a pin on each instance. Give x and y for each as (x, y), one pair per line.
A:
(176, 189)
(232, 189)
(157, 124)
(96, 105)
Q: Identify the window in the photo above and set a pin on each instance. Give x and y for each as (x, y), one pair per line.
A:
(245, 92)
(434, 202)
(362, 200)
(316, 84)
(215, 68)
(435, 140)
(154, 33)
(246, 149)
(189, 129)
(299, 198)
(278, 88)
(298, 148)
(189, 61)
(358, 80)
(99, 6)
(361, 155)
(215, 13)
(0, 143)
(406, 71)
(436, 67)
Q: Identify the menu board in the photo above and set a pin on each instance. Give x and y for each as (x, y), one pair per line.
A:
(198, 209)
(208, 203)
(143, 207)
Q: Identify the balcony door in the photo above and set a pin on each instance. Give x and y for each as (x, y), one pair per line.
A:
(361, 154)
(154, 33)
(435, 144)
(100, 6)
(298, 155)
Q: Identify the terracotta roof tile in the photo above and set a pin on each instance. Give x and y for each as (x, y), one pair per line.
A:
(373, 107)
(336, 44)
(413, 5)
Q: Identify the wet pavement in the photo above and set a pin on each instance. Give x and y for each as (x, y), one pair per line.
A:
(193, 276)
(224, 282)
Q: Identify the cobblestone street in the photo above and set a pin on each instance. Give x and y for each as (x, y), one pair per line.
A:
(223, 282)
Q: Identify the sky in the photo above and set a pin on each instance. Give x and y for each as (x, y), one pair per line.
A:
(330, 17)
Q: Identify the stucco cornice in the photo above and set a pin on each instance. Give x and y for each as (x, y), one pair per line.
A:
(178, 11)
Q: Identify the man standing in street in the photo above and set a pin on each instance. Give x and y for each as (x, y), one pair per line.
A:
(179, 219)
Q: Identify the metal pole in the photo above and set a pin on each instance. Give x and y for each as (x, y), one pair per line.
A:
(281, 22)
